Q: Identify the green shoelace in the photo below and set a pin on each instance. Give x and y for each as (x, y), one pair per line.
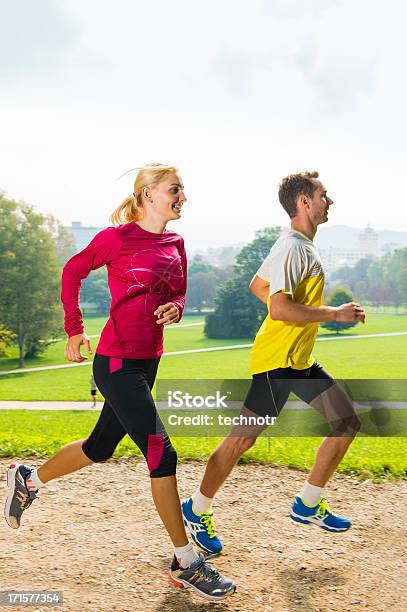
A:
(323, 508)
(209, 522)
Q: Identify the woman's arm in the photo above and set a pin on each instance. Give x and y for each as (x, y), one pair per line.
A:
(102, 249)
(172, 311)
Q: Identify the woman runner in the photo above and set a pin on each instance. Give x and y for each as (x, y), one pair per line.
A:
(146, 266)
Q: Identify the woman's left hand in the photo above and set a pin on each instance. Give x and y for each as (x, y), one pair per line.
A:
(167, 313)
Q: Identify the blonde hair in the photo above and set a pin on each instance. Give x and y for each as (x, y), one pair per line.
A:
(131, 209)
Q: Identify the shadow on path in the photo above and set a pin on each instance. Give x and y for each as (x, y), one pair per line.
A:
(302, 584)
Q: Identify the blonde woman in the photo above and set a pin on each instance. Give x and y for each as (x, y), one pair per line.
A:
(146, 266)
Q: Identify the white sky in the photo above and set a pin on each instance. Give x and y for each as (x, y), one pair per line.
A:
(236, 94)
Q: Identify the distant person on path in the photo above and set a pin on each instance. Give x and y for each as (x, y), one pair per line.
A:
(291, 282)
(147, 273)
(93, 390)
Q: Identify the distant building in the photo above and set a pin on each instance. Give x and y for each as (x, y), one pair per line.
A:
(368, 242)
(336, 257)
(82, 235)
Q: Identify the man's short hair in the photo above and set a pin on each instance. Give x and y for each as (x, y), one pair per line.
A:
(294, 185)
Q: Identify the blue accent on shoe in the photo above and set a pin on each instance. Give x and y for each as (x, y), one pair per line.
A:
(201, 527)
(320, 515)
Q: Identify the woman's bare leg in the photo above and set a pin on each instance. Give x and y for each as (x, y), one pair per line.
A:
(167, 502)
(69, 459)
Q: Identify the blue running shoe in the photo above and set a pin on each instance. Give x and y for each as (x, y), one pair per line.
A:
(202, 528)
(319, 515)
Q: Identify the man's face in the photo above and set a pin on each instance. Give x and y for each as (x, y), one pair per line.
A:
(319, 204)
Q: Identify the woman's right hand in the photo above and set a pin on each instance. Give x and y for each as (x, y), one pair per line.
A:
(72, 350)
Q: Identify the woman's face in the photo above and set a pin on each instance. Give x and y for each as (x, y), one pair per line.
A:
(167, 197)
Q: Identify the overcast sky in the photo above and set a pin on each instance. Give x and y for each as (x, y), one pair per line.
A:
(236, 94)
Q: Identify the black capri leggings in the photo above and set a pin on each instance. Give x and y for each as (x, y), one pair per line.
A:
(129, 408)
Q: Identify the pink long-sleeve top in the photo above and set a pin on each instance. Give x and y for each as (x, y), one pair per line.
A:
(145, 270)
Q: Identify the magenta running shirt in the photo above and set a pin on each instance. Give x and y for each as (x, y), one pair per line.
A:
(144, 270)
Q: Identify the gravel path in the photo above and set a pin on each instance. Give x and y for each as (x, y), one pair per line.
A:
(95, 535)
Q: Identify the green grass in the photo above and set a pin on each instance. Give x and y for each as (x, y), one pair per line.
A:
(55, 352)
(193, 338)
(42, 433)
(382, 358)
(375, 324)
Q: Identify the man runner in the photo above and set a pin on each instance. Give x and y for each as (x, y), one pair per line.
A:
(290, 281)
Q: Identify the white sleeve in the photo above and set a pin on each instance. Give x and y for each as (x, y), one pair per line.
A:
(264, 270)
(283, 268)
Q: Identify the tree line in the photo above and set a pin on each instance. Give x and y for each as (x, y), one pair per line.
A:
(378, 281)
(32, 249)
(238, 314)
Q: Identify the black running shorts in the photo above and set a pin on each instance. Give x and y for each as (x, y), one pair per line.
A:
(269, 391)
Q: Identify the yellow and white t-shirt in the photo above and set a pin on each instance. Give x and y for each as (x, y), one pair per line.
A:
(293, 266)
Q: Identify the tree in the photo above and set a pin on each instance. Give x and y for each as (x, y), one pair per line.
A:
(64, 242)
(199, 265)
(29, 277)
(201, 290)
(381, 281)
(238, 312)
(338, 297)
(95, 289)
(6, 339)
(399, 270)
(203, 280)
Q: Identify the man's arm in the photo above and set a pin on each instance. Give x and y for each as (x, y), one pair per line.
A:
(283, 308)
(260, 288)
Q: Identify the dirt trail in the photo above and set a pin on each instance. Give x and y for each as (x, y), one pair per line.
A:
(95, 535)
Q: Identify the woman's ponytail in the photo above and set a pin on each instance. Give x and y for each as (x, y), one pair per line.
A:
(129, 210)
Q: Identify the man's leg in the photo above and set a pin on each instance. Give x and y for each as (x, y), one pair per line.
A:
(265, 398)
(328, 457)
(337, 409)
(225, 456)
(197, 511)
(228, 452)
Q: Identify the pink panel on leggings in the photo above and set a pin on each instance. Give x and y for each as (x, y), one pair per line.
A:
(155, 451)
(115, 363)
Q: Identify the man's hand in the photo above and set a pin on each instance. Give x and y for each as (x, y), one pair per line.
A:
(167, 313)
(72, 350)
(349, 313)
